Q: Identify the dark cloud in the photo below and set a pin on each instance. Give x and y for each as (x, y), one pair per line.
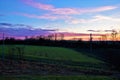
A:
(70, 34)
(108, 30)
(112, 30)
(93, 30)
(9, 25)
(49, 29)
(21, 30)
(5, 24)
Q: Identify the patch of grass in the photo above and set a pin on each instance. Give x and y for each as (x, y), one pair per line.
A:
(56, 53)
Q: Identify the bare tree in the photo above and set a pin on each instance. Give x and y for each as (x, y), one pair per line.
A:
(114, 35)
(119, 35)
(50, 37)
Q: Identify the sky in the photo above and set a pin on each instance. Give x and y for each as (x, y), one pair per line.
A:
(73, 16)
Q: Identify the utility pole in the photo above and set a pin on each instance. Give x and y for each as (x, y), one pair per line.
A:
(55, 36)
(91, 42)
(62, 36)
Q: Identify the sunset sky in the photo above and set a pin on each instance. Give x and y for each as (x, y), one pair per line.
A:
(73, 16)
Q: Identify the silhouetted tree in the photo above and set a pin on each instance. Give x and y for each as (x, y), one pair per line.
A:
(50, 37)
(114, 35)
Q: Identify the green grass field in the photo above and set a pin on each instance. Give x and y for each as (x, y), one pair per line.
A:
(82, 77)
(56, 53)
(53, 53)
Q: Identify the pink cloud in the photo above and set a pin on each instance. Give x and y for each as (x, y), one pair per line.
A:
(38, 5)
(45, 16)
(69, 11)
(97, 18)
(71, 34)
(100, 9)
(66, 11)
(101, 17)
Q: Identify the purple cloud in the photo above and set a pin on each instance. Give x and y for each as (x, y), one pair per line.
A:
(21, 30)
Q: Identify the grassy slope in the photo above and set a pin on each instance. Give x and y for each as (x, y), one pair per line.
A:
(52, 53)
